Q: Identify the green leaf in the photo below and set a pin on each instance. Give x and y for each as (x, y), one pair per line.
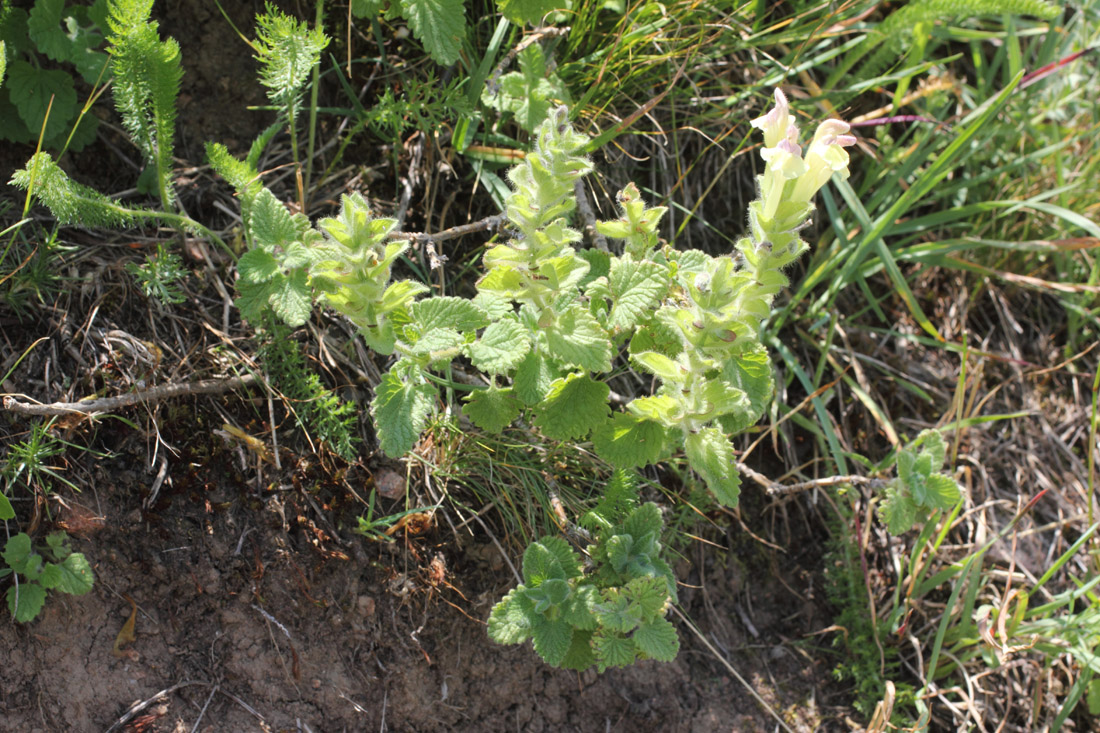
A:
(439, 24)
(660, 365)
(552, 640)
(710, 454)
(31, 91)
(1093, 699)
(527, 11)
(580, 655)
(657, 640)
(44, 28)
(6, 510)
(751, 371)
(292, 301)
(579, 612)
(366, 8)
(31, 597)
(448, 312)
(612, 650)
(73, 576)
(501, 347)
(898, 512)
(257, 266)
(530, 92)
(649, 595)
(550, 557)
(644, 522)
(508, 624)
(58, 542)
(271, 224)
(626, 441)
(534, 375)
(943, 492)
(616, 613)
(636, 287)
(17, 551)
(577, 339)
(573, 407)
(932, 443)
(492, 409)
(400, 411)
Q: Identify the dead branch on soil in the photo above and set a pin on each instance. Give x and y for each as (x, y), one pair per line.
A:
(108, 404)
(777, 489)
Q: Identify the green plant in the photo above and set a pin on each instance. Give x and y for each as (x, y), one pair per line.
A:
(920, 488)
(61, 32)
(34, 572)
(147, 77)
(380, 529)
(28, 461)
(314, 407)
(611, 614)
(288, 52)
(159, 274)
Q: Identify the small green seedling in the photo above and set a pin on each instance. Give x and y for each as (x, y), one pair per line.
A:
(920, 487)
(53, 567)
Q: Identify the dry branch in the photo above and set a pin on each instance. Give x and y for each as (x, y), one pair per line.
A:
(107, 404)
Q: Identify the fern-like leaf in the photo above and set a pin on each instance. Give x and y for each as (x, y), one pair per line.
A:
(146, 83)
(70, 202)
(287, 51)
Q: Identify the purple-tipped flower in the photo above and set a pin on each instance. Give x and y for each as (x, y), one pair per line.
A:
(776, 122)
(825, 156)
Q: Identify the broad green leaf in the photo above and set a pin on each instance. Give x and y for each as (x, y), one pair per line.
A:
(577, 339)
(31, 91)
(447, 312)
(6, 510)
(626, 441)
(496, 306)
(636, 288)
(501, 347)
(943, 491)
(579, 612)
(44, 28)
(400, 411)
(528, 11)
(660, 408)
(503, 281)
(398, 294)
(616, 613)
(564, 554)
(612, 650)
(898, 512)
(366, 8)
(529, 92)
(292, 300)
(31, 597)
(17, 551)
(661, 366)
(492, 409)
(534, 375)
(271, 224)
(710, 454)
(541, 564)
(931, 442)
(507, 622)
(580, 655)
(644, 522)
(722, 398)
(649, 595)
(751, 371)
(58, 542)
(657, 639)
(549, 594)
(438, 340)
(552, 640)
(440, 25)
(73, 576)
(573, 407)
(257, 266)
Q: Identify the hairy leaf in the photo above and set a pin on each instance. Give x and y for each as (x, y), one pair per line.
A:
(448, 312)
(573, 407)
(710, 454)
(612, 650)
(73, 575)
(501, 347)
(943, 491)
(897, 511)
(626, 441)
(636, 287)
(439, 24)
(552, 640)
(400, 412)
(534, 375)
(657, 639)
(492, 409)
(30, 598)
(508, 624)
(577, 339)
